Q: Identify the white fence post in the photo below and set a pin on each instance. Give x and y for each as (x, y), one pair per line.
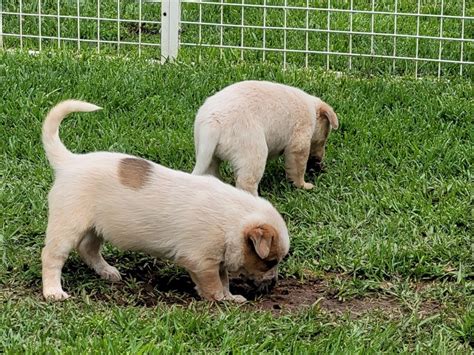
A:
(1, 24)
(170, 22)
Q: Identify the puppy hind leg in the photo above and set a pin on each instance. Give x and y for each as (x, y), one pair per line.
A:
(249, 170)
(200, 168)
(89, 250)
(206, 139)
(213, 168)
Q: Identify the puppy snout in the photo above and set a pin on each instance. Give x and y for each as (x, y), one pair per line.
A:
(266, 285)
(314, 166)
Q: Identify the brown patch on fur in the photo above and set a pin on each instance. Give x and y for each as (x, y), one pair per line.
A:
(327, 112)
(251, 258)
(134, 172)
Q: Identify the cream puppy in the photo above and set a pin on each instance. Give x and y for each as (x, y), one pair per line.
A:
(208, 227)
(250, 121)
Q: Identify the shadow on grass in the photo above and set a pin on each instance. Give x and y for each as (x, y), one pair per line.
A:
(147, 282)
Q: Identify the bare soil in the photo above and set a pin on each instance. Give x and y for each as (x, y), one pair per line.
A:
(289, 295)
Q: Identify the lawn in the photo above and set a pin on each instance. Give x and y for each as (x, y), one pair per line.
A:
(284, 29)
(381, 253)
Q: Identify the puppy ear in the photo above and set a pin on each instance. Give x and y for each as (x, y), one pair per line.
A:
(326, 112)
(262, 241)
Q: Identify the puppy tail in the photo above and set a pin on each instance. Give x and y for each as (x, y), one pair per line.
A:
(55, 150)
(206, 138)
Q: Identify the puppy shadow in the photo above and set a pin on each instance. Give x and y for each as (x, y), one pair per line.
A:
(145, 282)
(274, 179)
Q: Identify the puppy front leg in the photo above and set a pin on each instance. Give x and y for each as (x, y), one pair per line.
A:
(225, 284)
(296, 158)
(208, 283)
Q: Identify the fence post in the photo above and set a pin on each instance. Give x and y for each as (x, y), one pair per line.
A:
(1, 24)
(170, 21)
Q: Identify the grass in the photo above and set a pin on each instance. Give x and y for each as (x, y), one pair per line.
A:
(391, 217)
(274, 17)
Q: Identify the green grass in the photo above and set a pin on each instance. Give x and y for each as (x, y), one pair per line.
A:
(296, 40)
(391, 217)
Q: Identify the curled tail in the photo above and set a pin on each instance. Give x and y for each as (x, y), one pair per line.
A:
(55, 150)
(206, 137)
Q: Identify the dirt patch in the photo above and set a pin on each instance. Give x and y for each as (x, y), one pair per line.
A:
(290, 295)
(147, 283)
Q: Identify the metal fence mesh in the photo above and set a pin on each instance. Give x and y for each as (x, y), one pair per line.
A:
(112, 26)
(422, 37)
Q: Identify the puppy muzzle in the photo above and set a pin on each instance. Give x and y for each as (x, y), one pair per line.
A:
(265, 286)
(314, 166)
(262, 286)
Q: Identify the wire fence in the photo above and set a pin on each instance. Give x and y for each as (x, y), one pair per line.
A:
(107, 25)
(420, 37)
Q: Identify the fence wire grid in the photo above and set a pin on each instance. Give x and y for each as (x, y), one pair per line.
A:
(420, 37)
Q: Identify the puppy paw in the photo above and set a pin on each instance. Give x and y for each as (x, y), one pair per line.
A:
(110, 273)
(307, 186)
(55, 295)
(235, 298)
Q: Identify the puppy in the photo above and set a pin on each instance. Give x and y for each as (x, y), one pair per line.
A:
(204, 225)
(250, 121)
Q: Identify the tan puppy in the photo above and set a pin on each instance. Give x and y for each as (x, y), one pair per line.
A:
(208, 227)
(250, 121)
